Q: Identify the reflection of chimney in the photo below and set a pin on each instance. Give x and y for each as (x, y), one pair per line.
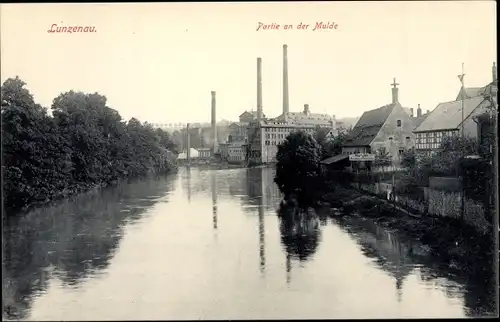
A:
(419, 111)
(259, 89)
(262, 242)
(494, 71)
(189, 183)
(214, 125)
(285, 79)
(214, 200)
(411, 112)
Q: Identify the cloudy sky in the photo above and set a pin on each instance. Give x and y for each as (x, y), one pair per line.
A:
(158, 62)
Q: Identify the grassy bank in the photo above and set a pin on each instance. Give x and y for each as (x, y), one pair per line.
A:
(452, 241)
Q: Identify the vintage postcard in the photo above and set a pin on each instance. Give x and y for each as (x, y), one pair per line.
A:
(265, 160)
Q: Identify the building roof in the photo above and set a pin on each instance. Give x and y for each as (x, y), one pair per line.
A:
(419, 119)
(471, 92)
(251, 113)
(368, 126)
(308, 119)
(334, 159)
(448, 115)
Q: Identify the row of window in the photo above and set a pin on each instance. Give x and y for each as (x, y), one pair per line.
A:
(427, 146)
(275, 136)
(273, 142)
(286, 129)
(235, 158)
(432, 140)
(428, 140)
(437, 134)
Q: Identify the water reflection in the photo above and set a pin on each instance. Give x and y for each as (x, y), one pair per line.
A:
(401, 258)
(300, 232)
(262, 240)
(72, 240)
(217, 243)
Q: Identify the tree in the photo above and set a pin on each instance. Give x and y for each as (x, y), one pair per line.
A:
(297, 166)
(330, 146)
(85, 143)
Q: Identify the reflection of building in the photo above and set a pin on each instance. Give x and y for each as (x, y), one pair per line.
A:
(387, 129)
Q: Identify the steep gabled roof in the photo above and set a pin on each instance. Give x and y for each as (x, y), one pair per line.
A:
(369, 125)
(448, 115)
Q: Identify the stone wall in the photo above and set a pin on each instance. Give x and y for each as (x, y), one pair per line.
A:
(438, 203)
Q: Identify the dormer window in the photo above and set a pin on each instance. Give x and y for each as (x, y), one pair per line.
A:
(398, 123)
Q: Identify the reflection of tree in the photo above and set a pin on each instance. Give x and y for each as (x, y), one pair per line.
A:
(388, 252)
(398, 259)
(75, 237)
(479, 290)
(300, 233)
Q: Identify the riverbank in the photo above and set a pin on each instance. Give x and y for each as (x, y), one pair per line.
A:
(75, 191)
(456, 243)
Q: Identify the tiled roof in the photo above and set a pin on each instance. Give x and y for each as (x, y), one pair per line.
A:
(368, 126)
(419, 119)
(448, 115)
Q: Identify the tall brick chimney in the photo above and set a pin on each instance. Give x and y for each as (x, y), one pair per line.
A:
(419, 111)
(214, 125)
(259, 89)
(411, 112)
(285, 79)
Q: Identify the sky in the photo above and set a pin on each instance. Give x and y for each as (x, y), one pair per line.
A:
(159, 62)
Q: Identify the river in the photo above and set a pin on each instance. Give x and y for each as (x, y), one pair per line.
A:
(207, 244)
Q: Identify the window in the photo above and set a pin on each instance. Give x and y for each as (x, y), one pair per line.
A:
(390, 138)
(407, 138)
(399, 123)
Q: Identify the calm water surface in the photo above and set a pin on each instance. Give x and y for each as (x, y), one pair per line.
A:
(207, 244)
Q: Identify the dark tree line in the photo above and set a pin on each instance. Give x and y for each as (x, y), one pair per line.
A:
(83, 144)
